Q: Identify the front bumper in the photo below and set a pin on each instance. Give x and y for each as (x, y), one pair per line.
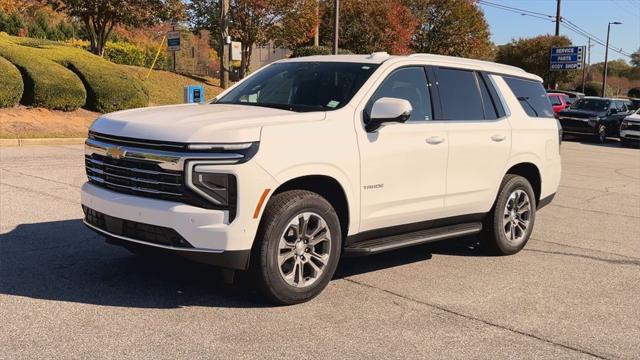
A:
(208, 235)
(630, 135)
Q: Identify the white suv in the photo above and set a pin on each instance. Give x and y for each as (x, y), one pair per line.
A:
(312, 158)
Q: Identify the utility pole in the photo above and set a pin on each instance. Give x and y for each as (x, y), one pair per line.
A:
(224, 34)
(606, 56)
(316, 35)
(336, 25)
(558, 18)
(584, 68)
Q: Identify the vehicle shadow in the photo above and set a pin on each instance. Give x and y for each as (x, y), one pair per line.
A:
(64, 261)
(610, 143)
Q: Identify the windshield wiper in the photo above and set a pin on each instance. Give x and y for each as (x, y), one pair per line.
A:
(289, 107)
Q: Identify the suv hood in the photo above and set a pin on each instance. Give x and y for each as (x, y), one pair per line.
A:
(581, 114)
(197, 123)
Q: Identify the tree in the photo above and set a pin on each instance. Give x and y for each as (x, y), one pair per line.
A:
(101, 16)
(288, 23)
(370, 26)
(617, 67)
(532, 55)
(450, 27)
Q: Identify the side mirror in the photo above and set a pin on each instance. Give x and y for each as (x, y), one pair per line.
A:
(388, 110)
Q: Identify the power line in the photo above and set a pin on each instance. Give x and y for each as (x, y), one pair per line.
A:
(563, 21)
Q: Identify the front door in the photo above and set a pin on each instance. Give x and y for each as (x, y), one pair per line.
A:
(403, 166)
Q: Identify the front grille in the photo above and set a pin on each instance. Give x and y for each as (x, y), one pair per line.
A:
(633, 126)
(135, 177)
(571, 123)
(135, 230)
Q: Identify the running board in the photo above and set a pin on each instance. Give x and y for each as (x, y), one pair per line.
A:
(387, 243)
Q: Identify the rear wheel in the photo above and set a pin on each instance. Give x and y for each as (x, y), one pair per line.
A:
(298, 247)
(508, 227)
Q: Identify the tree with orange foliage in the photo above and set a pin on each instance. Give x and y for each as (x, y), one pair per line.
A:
(101, 16)
(370, 26)
(450, 27)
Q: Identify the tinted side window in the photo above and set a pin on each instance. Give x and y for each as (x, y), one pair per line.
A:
(410, 84)
(459, 95)
(531, 96)
(490, 112)
(555, 100)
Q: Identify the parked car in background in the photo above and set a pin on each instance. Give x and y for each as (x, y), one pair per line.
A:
(595, 117)
(559, 101)
(573, 96)
(635, 104)
(630, 130)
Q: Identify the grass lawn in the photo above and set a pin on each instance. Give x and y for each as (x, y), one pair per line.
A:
(164, 88)
(167, 88)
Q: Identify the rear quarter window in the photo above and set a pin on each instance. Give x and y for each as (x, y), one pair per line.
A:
(532, 97)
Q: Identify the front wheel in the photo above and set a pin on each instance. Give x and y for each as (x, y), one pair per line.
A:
(602, 134)
(298, 247)
(508, 227)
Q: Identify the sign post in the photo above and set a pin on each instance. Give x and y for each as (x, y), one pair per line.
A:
(173, 44)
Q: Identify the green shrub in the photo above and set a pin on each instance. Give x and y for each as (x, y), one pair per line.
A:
(108, 86)
(46, 83)
(317, 50)
(11, 86)
(125, 53)
(634, 92)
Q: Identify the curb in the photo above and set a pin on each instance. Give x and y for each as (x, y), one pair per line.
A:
(43, 141)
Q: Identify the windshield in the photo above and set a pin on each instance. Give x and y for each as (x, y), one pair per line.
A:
(302, 86)
(592, 104)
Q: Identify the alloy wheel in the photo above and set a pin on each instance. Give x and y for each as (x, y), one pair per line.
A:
(304, 249)
(517, 216)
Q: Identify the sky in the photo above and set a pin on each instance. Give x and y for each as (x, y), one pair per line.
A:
(590, 15)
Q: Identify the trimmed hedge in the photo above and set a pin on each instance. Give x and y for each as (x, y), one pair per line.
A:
(11, 86)
(46, 83)
(108, 86)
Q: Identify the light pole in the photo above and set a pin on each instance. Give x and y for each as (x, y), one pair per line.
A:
(606, 55)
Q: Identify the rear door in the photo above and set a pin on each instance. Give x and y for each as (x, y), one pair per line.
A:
(479, 139)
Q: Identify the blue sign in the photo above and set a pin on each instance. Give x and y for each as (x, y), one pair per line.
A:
(569, 50)
(565, 66)
(194, 94)
(567, 58)
(174, 42)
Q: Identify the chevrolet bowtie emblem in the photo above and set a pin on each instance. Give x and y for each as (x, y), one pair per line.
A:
(116, 152)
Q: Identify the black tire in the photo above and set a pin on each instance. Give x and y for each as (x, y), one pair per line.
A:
(602, 134)
(493, 234)
(280, 211)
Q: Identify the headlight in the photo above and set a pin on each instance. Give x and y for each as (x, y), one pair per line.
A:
(624, 125)
(219, 189)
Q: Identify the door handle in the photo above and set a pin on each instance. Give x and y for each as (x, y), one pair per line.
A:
(434, 140)
(498, 137)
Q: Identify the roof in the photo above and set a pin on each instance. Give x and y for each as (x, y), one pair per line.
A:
(380, 57)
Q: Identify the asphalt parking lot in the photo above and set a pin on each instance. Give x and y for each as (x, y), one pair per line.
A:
(574, 292)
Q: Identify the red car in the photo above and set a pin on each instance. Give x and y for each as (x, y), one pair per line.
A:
(558, 101)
